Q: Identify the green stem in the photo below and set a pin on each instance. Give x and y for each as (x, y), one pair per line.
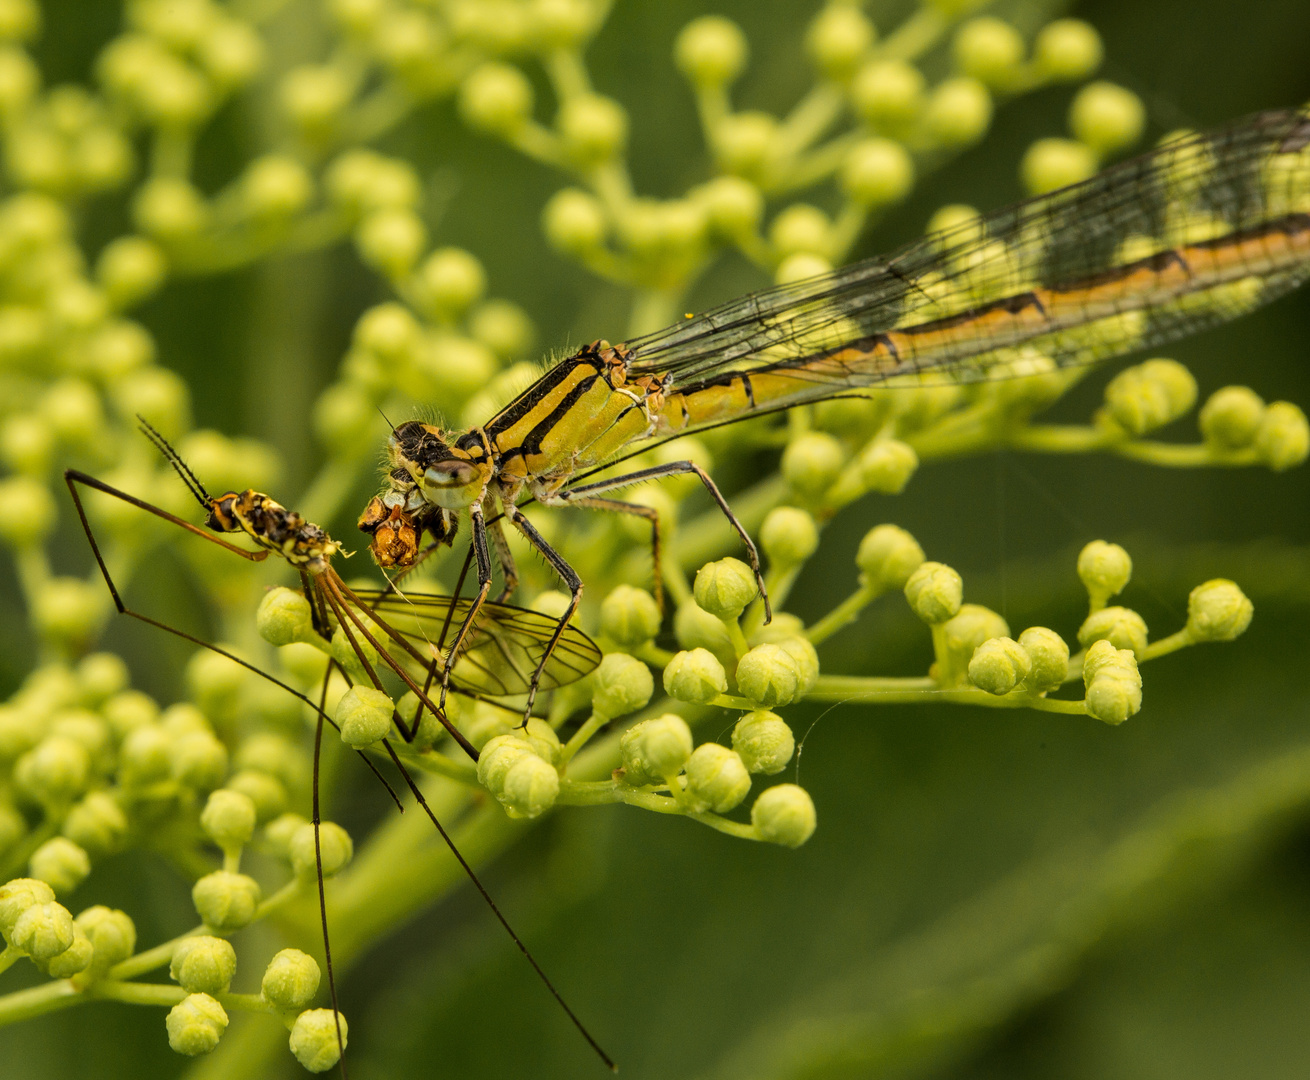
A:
(843, 614)
(39, 1000)
(135, 993)
(589, 727)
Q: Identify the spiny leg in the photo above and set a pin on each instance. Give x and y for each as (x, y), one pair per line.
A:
(482, 558)
(618, 506)
(508, 570)
(674, 468)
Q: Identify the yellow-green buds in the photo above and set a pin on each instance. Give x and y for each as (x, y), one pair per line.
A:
(989, 49)
(877, 172)
(449, 281)
(69, 611)
(360, 180)
(1067, 50)
(1120, 626)
(16, 897)
(198, 760)
(789, 536)
(888, 93)
(1107, 117)
(203, 965)
(364, 716)
(1105, 570)
(314, 97)
(112, 935)
(960, 636)
(784, 814)
(503, 327)
(574, 221)
(54, 771)
(1114, 685)
(695, 676)
(73, 960)
(27, 511)
(717, 779)
(144, 756)
(958, 111)
(724, 588)
(1218, 610)
(999, 665)
(655, 750)
(1055, 163)
(496, 98)
(228, 819)
(195, 1025)
(60, 863)
(802, 229)
(284, 616)
(169, 209)
(1231, 417)
(710, 51)
(1149, 395)
(391, 240)
(291, 980)
(1048, 653)
(279, 832)
(593, 128)
(510, 767)
(314, 1039)
(887, 556)
(838, 39)
(43, 931)
(333, 852)
(622, 684)
(274, 187)
(776, 674)
(886, 465)
(935, 592)
(1283, 440)
(629, 617)
(811, 462)
(733, 206)
(763, 741)
(226, 901)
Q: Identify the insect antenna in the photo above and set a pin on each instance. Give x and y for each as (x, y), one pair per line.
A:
(189, 478)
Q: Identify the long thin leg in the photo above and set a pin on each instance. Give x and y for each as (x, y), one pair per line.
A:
(570, 578)
(506, 559)
(672, 468)
(482, 557)
(618, 506)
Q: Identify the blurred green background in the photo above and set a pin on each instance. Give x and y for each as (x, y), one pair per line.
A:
(989, 894)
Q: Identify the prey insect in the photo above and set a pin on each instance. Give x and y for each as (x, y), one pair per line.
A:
(500, 658)
(1194, 233)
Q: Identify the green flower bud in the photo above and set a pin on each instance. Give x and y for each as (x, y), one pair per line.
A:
(958, 112)
(574, 221)
(231, 53)
(838, 39)
(101, 675)
(769, 675)
(73, 960)
(1067, 50)
(43, 931)
(314, 97)
(999, 665)
(1149, 395)
(61, 864)
(112, 935)
(20, 730)
(1283, 440)
(203, 965)
(266, 793)
(541, 739)
(69, 611)
(503, 327)
(695, 676)
(1105, 570)
(784, 814)
(764, 742)
(801, 228)
(887, 556)
(717, 779)
(279, 832)
(877, 172)
(696, 628)
(629, 617)
(710, 51)
(228, 819)
(733, 207)
(184, 719)
(144, 756)
(496, 758)
(799, 267)
(561, 24)
(26, 446)
(622, 684)
(529, 788)
(19, 79)
(593, 128)
(314, 1039)
(388, 330)
(449, 281)
(655, 750)
(745, 143)
(391, 241)
(214, 681)
(1231, 417)
(13, 826)
(1107, 117)
(1120, 626)
(804, 656)
(16, 897)
(274, 187)
(198, 760)
(275, 755)
(226, 901)
(963, 634)
(724, 588)
(53, 772)
(1114, 685)
(158, 396)
(1055, 163)
(1048, 654)
(27, 511)
(430, 729)
(886, 465)
(364, 716)
(1218, 610)
(346, 652)
(990, 50)
(362, 180)
(169, 209)
(130, 269)
(496, 98)
(334, 846)
(789, 536)
(195, 1025)
(291, 980)
(934, 592)
(483, 723)
(811, 462)
(888, 93)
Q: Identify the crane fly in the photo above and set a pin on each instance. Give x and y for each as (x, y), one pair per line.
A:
(1201, 229)
(503, 656)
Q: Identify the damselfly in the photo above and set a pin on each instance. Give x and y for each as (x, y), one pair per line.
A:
(1196, 232)
(508, 651)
